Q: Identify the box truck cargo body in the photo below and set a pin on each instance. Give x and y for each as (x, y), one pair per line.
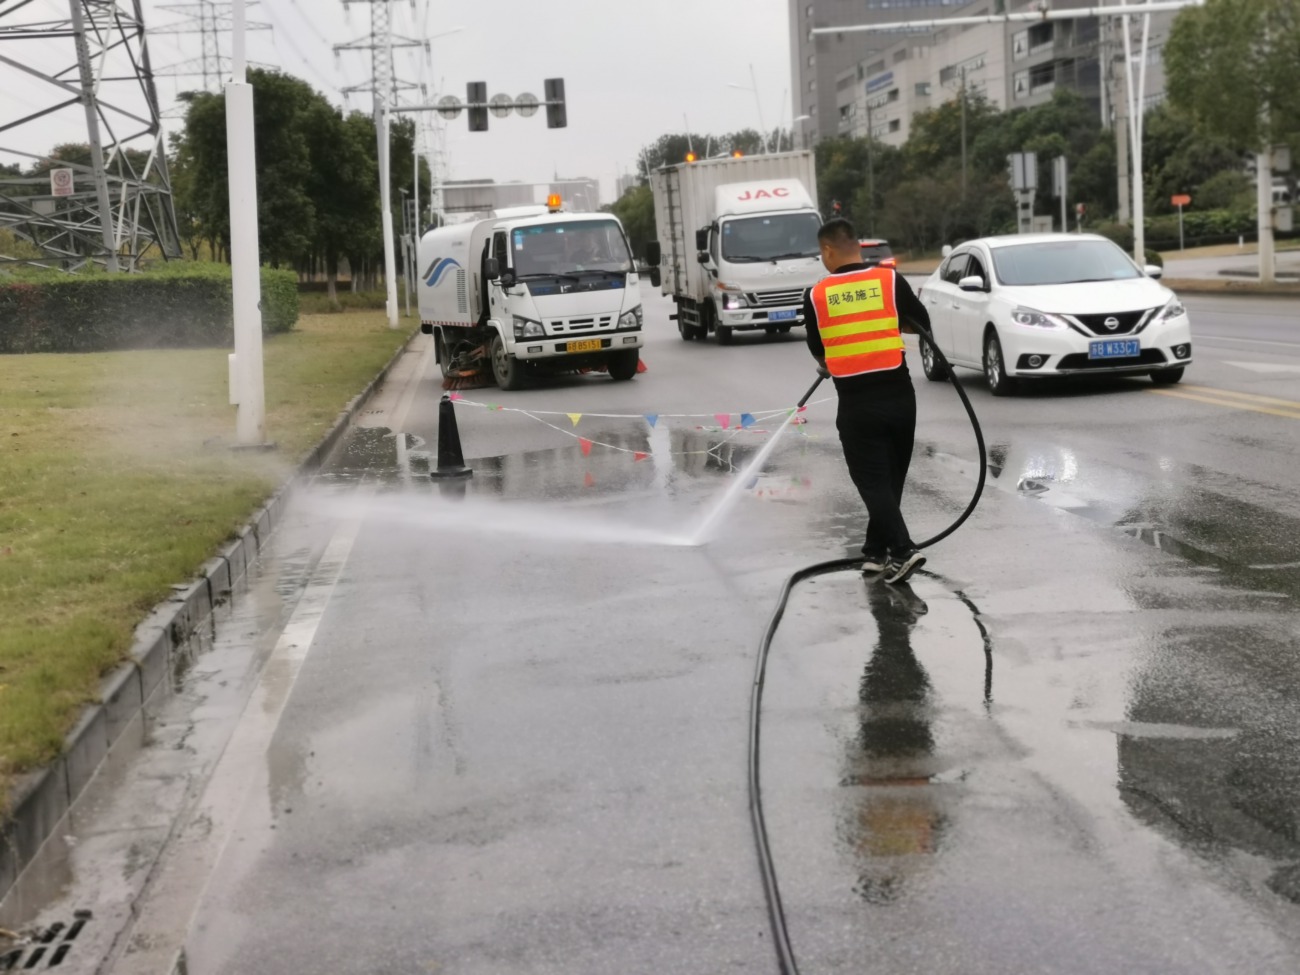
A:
(531, 290)
(737, 241)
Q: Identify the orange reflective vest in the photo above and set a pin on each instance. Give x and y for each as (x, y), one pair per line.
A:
(858, 322)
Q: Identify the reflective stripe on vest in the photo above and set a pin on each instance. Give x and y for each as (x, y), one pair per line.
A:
(858, 322)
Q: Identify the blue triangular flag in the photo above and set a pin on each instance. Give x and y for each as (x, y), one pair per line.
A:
(746, 420)
(652, 418)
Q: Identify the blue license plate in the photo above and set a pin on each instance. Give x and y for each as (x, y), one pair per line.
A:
(1120, 349)
(781, 316)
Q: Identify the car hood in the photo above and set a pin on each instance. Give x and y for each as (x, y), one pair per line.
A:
(1091, 297)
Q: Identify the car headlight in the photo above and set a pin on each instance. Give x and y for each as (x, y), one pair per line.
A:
(1172, 310)
(630, 318)
(1037, 319)
(526, 328)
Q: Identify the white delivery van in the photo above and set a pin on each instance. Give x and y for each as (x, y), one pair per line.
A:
(737, 241)
(531, 289)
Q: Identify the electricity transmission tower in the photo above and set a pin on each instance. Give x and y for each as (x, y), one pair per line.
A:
(384, 84)
(209, 19)
(79, 70)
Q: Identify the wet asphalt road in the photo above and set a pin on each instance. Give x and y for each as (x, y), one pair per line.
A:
(516, 740)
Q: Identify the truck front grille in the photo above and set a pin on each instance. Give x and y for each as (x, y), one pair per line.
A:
(565, 326)
(776, 299)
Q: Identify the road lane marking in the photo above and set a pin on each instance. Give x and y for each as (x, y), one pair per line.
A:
(1289, 404)
(167, 907)
(1231, 404)
(1266, 368)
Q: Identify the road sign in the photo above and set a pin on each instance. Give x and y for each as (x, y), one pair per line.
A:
(449, 107)
(501, 105)
(526, 105)
(1180, 199)
(61, 182)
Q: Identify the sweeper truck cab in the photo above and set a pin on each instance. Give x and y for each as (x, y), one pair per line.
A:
(737, 242)
(530, 290)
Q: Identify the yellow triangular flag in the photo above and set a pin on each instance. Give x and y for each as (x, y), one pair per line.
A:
(575, 417)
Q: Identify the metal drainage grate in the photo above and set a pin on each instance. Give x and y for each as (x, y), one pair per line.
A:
(46, 950)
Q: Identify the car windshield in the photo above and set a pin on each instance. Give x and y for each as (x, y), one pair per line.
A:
(1062, 262)
(570, 247)
(770, 238)
(875, 252)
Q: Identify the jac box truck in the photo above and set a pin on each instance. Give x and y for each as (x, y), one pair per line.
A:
(531, 289)
(737, 242)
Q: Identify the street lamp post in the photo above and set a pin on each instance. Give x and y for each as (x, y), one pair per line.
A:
(247, 388)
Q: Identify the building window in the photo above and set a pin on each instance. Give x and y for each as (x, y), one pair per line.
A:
(876, 68)
(923, 89)
(900, 55)
(895, 125)
(1020, 45)
(1042, 77)
(1020, 84)
(1041, 35)
(893, 95)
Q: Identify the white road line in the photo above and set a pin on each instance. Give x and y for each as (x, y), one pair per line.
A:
(167, 907)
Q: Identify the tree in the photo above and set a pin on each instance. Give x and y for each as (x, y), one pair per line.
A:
(342, 187)
(1234, 67)
(636, 212)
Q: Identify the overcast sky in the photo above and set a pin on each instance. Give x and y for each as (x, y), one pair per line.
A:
(632, 71)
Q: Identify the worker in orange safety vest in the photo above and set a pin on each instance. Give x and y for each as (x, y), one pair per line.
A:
(855, 318)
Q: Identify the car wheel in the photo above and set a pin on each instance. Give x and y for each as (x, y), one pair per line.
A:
(622, 365)
(687, 332)
(725, 336)
(995, 368)
(440, 350)
(1167, 377)
(506, 369)
(934, 370)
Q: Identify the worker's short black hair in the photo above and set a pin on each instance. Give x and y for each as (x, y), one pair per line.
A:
(837, 232)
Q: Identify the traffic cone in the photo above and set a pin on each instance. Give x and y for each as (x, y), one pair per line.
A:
(451, 461)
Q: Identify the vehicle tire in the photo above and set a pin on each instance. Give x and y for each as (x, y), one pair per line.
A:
(995, 368)
(934, 369)
(725, 335)
(687, 332)
(440, 349)
(1167, 377)
(622, 365)
(506, 369)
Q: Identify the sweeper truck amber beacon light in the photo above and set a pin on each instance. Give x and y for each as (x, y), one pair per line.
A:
(553, 202)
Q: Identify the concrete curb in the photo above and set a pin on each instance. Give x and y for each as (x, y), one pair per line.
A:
(43, 797)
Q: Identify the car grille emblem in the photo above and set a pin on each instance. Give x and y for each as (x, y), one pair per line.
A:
(1111, 323)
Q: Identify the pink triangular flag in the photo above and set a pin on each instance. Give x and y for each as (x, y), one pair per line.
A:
(639, 455)
(724, 419)
(454, 396)
(585, 444)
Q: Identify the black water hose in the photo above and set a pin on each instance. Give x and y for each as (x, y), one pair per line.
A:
(775, 908)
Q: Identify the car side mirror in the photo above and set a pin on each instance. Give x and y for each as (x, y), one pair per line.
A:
(655, 277)
(491, 268)
(702, 257)
(1153, 271)
(702, 239)
(652, 252)
(972, 283)
(507, 278)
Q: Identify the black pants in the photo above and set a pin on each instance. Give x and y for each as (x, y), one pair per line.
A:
(877, 428)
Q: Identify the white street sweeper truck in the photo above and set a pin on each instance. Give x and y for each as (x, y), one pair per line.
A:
(530, 290)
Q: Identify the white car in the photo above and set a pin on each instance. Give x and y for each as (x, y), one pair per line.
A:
(1037, 305)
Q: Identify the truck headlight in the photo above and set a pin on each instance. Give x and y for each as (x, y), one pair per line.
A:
(1037, 319)
(630, 318)
(526, 328)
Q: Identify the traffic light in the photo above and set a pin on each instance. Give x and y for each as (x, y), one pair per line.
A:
(476, 93)
(556, 114)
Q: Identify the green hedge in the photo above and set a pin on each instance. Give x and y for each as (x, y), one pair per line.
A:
(174, 305)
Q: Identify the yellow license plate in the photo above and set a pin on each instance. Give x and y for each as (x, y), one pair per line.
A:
(585, 345)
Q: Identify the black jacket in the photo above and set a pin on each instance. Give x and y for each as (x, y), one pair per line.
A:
(910, 310)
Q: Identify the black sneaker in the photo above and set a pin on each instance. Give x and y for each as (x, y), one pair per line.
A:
(874, 564)
(901, 569)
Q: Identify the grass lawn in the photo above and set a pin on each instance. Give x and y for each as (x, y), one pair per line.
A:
(115, 483)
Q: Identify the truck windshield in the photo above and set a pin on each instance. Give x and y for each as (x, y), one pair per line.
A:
(565, 248)
(770, 238)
